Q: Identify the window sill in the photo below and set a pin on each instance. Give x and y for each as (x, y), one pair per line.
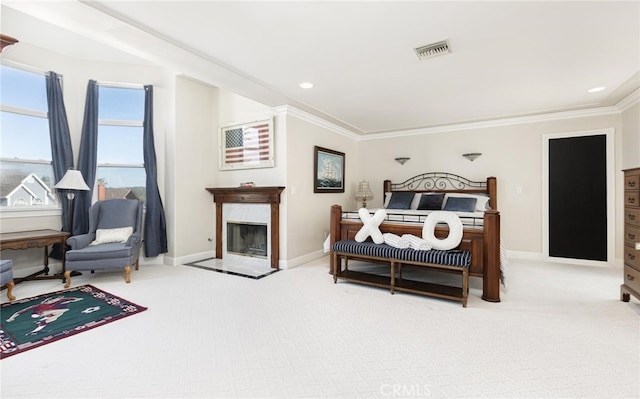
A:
(14, 212)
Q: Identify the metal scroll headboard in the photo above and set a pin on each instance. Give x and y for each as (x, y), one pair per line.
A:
(439, 181)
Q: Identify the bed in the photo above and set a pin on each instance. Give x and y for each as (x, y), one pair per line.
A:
(481, 225)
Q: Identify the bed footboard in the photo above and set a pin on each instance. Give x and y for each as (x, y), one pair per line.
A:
(484, 245)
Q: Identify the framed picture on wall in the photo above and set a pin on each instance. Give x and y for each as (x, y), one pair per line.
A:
(247, 145)
(328, 170)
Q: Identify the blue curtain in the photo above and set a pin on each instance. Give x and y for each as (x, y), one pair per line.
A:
(155, 226)
(87, 158)
(61, 151)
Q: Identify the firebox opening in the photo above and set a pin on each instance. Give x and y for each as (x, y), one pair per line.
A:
(247, 239)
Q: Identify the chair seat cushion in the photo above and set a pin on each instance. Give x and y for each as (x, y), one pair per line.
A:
(6, 264)
(102, 251)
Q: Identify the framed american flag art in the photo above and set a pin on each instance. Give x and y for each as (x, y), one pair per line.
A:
(247, 145)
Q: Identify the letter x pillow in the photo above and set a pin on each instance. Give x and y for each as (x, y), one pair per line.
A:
(370, 225)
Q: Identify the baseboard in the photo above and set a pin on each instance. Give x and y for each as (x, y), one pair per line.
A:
(54, 268)
(301, 260)
(524, 255)
(171, 261)
(538, 256)
(156, 260)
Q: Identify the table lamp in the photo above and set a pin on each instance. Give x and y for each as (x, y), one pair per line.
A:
(364, 192)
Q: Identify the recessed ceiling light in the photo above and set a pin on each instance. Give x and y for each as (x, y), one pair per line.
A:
(596, 89)
(306, 85)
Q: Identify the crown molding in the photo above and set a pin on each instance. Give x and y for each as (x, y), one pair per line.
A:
(291, 110)
(621, 106)
(583, 113)
(628, 101)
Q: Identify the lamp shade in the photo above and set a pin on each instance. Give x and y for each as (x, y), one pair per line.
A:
(364, 191)
(72, 180)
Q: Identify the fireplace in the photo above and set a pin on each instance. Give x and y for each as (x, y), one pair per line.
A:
(257, 212)
(247, 239)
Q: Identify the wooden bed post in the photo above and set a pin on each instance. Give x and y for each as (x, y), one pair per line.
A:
(334, 232)
(491, 253)
(386, 187)
(492, 190)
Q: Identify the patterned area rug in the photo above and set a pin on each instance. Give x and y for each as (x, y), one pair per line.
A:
(32, 322)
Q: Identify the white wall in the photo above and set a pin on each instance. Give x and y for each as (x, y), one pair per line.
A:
(631, 137)
(308, 212)
(232, 109)
(193, 211)
(511, 153)
(76, 74)
(302, 232)
(201, 110)
(188, 115)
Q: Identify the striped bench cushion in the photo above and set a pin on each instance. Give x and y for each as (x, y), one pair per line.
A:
(368, 248)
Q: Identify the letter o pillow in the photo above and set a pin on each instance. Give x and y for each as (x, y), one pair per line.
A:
(455, 230)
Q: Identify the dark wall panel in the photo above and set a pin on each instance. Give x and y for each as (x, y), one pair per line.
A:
(578, 197)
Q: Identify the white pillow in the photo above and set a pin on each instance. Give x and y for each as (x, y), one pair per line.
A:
(387, 198)
(482, 203)
(455, 230)
(120, 234)
(370, 225)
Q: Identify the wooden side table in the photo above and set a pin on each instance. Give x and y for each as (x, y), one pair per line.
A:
(36, 239)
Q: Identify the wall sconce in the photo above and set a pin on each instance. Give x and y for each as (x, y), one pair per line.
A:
(402, 160)
(471, 156)
(364, 192)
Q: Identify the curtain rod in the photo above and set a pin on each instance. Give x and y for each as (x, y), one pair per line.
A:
(121, 85)
(32, 69)
(25, 67)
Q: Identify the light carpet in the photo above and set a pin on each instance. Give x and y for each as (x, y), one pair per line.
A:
(559, 332)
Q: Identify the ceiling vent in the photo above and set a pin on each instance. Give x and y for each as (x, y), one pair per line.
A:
(433, 50)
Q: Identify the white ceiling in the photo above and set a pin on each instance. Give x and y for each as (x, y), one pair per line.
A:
(508, 59)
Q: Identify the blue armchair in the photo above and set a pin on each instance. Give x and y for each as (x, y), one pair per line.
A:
(113, 241)
(6, 276)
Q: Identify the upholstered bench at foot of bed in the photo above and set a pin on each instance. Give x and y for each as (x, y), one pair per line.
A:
(443, 261)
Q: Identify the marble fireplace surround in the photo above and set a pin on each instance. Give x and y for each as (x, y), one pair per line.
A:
(248, 196)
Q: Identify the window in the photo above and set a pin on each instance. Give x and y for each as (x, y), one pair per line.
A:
(26, 170)
(120, 171)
